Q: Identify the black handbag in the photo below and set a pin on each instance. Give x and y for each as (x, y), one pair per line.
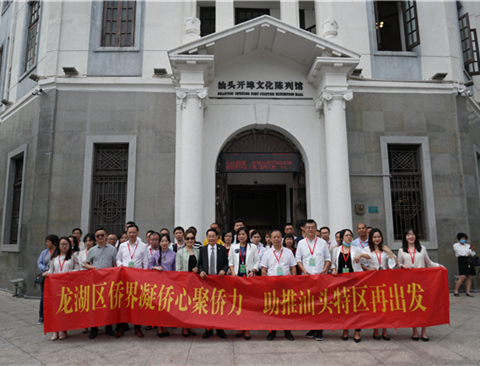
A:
(39, 280)
(474, 261)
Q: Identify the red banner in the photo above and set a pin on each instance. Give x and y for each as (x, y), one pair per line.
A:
(374, 299)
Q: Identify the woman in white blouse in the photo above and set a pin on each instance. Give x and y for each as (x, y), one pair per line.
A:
(61, 262)
(462, 252)
(81, 256)
(378, 256)
(414, 255)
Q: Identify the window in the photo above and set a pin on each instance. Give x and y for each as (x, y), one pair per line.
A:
(474, 67)
(118, 23)
(465, 38)
(303, 23)
(244, 14)
(396, 24)
(110, 176)
(406, 190)
(207, 21)
(17, 195)
(32, 35)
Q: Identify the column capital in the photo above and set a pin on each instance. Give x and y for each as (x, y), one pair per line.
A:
(200, 93)
(326, 96)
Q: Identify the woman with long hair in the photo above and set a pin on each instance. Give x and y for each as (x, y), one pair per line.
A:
(51, 242)
(414, 255)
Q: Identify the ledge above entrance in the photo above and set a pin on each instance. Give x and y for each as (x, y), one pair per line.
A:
(294, 47)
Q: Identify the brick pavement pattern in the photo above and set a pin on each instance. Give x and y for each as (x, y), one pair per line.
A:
(22, 343)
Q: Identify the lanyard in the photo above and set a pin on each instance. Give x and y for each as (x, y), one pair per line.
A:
(379, 258)
(131, 255)
(412, 256)
(329, 243)
(362, 243)
(242, 258)
(314, 245)
(50, 251)
(259, 249)
(278, 258)
(61, 264)
(345, 258)
(150, 249)
(178, 248)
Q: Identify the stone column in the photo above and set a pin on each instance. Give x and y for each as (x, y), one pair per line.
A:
(332, 102)
(189, 186)
(224, 15)
(289, 12)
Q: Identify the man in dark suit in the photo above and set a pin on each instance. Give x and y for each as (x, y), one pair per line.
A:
(213, 260)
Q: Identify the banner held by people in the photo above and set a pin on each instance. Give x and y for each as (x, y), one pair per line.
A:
(374, 299)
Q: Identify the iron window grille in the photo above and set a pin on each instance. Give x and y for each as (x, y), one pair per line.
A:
(17, 194)
(32, 35)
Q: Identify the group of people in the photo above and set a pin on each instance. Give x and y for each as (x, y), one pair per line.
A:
(241, 253)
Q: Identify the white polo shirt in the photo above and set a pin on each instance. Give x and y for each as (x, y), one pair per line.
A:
(313, 263)
(137, 253)
(273, 259)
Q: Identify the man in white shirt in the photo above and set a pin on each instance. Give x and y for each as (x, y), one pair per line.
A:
(362, 240)
(278, 261)
(133, 254)
(325, 235)
(313, 257)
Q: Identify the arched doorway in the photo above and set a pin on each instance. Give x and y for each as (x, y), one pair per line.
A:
(260, 177)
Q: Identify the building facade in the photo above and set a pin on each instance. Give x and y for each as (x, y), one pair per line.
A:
(190, 112)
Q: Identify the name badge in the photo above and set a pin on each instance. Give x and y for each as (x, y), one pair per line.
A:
(311, 262)
(131, 264)
(243, 268)
(279, 271)
(346, 270)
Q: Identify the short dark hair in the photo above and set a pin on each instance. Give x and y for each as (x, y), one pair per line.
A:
(288, 224)
(194, 229)
(301, 223)
(100, 228)
(237, 221)
(310, 221)
(165, 229)
(132, 225)
(89, 236)
(149, 232)
(53, 238)
(154, 233)
(190, 231)
(77, 228)
(211, 230)
(179, 228)
(274, 230)
(287, 236)
(325, 228)
(461, 235)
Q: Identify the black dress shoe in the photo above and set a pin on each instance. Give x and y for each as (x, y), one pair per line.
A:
(289, 335)
(426, 339)
(167, 334)
(376, 337)
(271, 335)
(120, 333)
(191, 332)
(110, 332)
(248, 338)
(415, 338)
(238, 335)
(470, 295)
(207, 334)
(387, 338)
(92, 335)
(357, 340)
(221, 334)
(345, 338)
(161, 335)
(185, 335)
(456, 294)
(148, 327)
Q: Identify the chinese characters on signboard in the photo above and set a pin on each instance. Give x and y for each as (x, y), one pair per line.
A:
(260, 88)
(253, 162)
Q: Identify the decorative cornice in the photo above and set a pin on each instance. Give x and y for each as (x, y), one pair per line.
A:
(201, 94)
(327, 96)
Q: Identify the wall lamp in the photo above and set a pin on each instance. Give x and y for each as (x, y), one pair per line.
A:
(35, 77)
(468, 83)
(439, 76)
(6, 103)
(160, 72)
(70, 71)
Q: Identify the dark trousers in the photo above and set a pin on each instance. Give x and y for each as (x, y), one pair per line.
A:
(124, 326)
(40, 312)
(95, 329)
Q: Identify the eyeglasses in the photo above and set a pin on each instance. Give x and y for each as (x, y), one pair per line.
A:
(189, 238)
(100, 235)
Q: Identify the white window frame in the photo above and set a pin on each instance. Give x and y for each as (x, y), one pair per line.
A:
(8, 199)
(88, 174)
(427, 183)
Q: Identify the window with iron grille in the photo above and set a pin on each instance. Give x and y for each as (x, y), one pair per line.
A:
(17, 195)
(32, 34)
(207, 20)
(474, 67)
(244, 14)
(118, 23)
(465, 39)
(406, 190)
(396, 24)
(110, 175)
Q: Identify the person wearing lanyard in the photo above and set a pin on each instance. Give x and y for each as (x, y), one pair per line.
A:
(154, 247)
(163, 260)
(243, 261)
(133, 254)
(51, 242)
(61, 262)
(278, 261)
(362, 240)
(101, 256)
(313, 257)
(261, 249)
(462, 252)
(213, 260)
(346, 259)
(186, 261)
(414, 255)
(89, 242)
(378, 257)
(325, 234)
(178, 233)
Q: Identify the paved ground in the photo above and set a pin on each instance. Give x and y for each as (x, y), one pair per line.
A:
(22, 343)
